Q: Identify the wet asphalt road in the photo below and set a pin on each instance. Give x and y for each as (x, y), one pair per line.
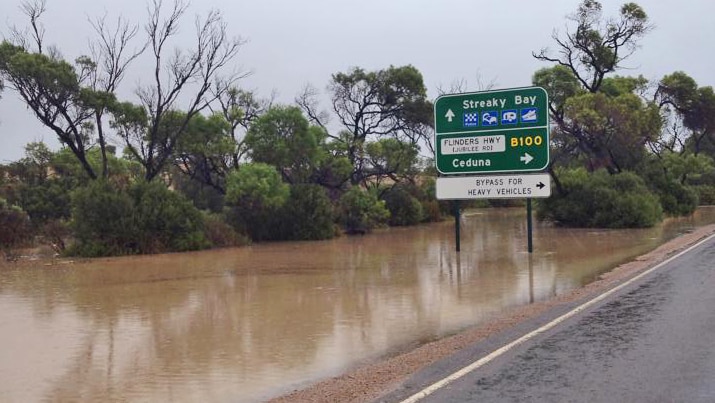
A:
(653, 341)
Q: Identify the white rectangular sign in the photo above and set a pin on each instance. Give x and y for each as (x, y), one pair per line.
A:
(494, 187)
(473, 145)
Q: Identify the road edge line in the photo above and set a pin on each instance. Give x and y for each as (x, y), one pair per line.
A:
(498, 352)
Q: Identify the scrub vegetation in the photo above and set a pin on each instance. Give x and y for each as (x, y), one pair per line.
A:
(194, 161)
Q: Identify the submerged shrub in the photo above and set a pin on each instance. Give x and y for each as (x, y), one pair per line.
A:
(361, 211)
(148, 218)
(221, 234)
(165, 220)
(14, 225)
(255, 195)
(308, 214)
(102, 221)
(404, 208)
(601, 200)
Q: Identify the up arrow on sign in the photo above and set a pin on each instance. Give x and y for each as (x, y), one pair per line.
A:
(449, 115)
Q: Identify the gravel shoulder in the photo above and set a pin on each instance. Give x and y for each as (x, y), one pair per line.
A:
(370, 382)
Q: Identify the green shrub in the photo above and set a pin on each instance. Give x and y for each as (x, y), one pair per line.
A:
(603, 201)
(14, 225)
(404, 208)
(308, 214)
(220, 234)
(148, 218)
(675, 198)
(47, 201)
(255, 195)
(103, 221)
(165, 220)
(706, 194)
(361, 211)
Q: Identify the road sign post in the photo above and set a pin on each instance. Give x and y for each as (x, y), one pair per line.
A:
(489, 132)
(492, 131)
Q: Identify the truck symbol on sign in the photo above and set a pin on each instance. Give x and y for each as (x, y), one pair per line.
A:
(489, 119)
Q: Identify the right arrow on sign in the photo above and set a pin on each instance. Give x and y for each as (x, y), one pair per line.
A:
(526, 158)
(540, 185)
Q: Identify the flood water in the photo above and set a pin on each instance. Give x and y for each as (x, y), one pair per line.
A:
(251, 323)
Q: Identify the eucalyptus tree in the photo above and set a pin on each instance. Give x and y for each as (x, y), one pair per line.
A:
(374, 105)
(693, 111)
(185, 81)
(69, 98)
(606, 121)
(73, 99)
(596, 46)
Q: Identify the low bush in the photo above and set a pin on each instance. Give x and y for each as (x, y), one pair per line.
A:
(675, 198)
(603, 201)
(147, 218)
(361, 211)
(308, 214)
(220, 234)
(14, 225)
(102, 221)
(706, 194)
(404, 208)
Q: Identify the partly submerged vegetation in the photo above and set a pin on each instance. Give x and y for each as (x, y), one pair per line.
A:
(153, 174)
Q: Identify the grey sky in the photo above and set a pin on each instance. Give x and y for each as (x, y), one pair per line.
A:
(291, 43)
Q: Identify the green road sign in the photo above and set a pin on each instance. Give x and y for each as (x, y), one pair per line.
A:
(492, 131)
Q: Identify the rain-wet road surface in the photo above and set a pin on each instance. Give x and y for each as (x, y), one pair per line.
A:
(652, 341)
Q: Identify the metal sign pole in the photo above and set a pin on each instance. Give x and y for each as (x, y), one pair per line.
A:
(529, 229)
(457, 223)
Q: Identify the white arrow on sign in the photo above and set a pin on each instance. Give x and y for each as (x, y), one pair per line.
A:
(450, 115)
(526, 158)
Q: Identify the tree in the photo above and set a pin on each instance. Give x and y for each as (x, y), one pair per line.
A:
(204, 152)
(692, 112)
(73, 99)
(371, 105)
(392, 159)
(151, 130)
(282, 137)
(612, 130)
(596, 47)
(241, 109)
(605, 120)
(70, 99)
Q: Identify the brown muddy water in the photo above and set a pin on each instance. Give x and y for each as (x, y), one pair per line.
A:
(251, 323)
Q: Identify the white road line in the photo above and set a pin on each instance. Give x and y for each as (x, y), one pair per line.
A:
(496, 353)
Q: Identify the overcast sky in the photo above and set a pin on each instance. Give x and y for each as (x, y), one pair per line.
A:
(291, 43)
